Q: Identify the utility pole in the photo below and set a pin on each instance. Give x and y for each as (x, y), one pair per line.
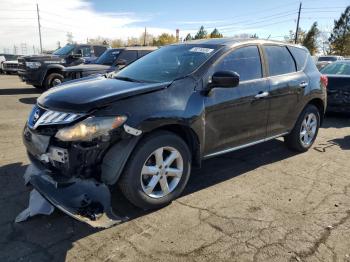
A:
(39, 26)
(297, 30)
(144, 38)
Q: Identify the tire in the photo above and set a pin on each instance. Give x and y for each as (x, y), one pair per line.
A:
(299, 139)
(134, 181)
(52, 80)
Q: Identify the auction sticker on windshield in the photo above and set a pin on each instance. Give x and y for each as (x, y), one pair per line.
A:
(201, 50)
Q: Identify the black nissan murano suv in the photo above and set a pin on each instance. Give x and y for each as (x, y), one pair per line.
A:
(141, 129)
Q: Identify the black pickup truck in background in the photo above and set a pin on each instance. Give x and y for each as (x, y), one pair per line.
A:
(111, 60)
(45, 71)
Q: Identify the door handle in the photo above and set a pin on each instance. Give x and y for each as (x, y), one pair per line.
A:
(262, 95)
(303, 84)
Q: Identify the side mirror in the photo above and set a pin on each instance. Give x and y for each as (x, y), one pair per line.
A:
(225, 79)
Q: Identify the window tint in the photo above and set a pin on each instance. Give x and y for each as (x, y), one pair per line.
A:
(280, 60)
(128, 55)
(338, 68)
(144, 52)
(85, 51)
(98, 50)
(299, 56)
(109, 57)
(245, 61)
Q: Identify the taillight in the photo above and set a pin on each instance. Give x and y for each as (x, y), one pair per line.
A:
(324, 80)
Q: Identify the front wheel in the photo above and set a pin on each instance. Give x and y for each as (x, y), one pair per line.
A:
(157, 172)
(52, 80)
(305, 130)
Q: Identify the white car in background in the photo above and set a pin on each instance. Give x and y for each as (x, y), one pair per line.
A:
(10, 67)
(6, 57)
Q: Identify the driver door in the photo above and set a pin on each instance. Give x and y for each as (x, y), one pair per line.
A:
(237, 116)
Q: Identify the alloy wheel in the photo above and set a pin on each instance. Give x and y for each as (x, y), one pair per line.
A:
(308, 129)
(162, 171)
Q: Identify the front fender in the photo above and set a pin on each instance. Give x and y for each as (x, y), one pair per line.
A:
(116, 158)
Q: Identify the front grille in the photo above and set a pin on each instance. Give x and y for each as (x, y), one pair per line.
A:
(10, 66)
(41, 117)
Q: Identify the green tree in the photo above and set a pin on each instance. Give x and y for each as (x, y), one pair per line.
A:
(202, 33)
(340, 38)
(164, 39)
(310, 39)
(117, 43)
(216, 34)
(188, 37)
(291, 37)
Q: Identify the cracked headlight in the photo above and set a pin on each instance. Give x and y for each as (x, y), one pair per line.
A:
(33, 65)
(90, 128)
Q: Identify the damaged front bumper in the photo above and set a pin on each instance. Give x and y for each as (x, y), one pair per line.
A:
(86, 200)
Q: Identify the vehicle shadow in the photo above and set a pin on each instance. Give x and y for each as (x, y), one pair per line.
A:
(336, 120)
(28, 100)
(59, 232)
(19, 91)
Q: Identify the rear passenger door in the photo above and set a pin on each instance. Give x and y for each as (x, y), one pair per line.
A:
(287, 85)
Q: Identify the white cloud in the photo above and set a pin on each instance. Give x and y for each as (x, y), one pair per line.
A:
(19, 24)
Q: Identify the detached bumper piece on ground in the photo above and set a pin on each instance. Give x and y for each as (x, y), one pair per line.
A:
(85, 200)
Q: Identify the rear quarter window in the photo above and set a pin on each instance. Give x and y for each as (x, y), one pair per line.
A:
(300, 56)
(280, 60)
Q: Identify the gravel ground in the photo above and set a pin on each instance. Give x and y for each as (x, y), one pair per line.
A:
(264, 203)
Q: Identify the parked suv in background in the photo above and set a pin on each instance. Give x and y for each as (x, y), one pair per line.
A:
(45, 71)
(109, 61)
(143, 129)
(322, 61)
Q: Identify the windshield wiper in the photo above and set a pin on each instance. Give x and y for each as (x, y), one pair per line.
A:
(125, 78)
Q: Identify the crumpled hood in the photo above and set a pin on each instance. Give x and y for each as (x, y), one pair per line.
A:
(93, 92)
(87, 67)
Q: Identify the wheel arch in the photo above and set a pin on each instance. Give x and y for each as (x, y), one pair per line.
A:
(52, 69)
(117, 156)
(318, 102)
(188, 135)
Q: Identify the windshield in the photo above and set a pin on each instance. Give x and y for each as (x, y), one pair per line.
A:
(327, 58)
(336, 69)
(108, 57)
(168, 63)
(64, 50)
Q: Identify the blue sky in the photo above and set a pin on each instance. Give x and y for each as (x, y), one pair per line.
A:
(263, 17)
(112, 19)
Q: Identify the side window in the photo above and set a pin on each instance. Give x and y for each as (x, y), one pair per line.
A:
(280, 60)
(98, 50)
(85, 51)
(143, 52)
(128, 55)
(245, 61)
(299, 56)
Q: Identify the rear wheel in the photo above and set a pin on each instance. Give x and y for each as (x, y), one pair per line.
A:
(305, 130)
(157, 172)
(52, 80)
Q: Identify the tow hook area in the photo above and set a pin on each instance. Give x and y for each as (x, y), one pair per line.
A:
(86, 200)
